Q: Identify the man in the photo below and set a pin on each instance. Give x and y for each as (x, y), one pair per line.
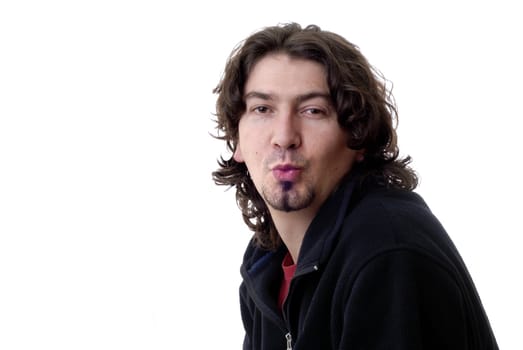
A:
(344, 254)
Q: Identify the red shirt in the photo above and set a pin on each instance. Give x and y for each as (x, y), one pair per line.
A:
(289, 267)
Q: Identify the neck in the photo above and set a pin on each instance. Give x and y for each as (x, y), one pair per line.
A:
(292, 227)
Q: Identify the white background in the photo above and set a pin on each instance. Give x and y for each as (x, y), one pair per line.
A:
(112, 233)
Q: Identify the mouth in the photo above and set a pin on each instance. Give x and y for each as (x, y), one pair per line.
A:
(286, 172)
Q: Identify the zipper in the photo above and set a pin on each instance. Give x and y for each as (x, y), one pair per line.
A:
(288, 336)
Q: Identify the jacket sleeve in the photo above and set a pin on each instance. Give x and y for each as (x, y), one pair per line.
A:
(403, 299)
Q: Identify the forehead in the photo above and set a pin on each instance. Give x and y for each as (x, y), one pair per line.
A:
(280, 73)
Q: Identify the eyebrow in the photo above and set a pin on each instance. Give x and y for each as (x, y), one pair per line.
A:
(313, 94)
(299, 98)
(257, 94)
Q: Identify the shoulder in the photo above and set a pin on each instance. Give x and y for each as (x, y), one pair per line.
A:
(384, 220)
(386, 202)
(392, 214)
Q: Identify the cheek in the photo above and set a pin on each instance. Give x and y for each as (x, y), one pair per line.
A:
(248, 151)
(250, 147)
(337, 158)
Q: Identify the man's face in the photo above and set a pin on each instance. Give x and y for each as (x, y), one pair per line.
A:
(289, 136)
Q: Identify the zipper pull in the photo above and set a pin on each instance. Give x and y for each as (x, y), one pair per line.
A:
(288, 336)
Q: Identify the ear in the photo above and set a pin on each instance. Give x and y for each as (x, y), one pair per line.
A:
(237, 155)
(360, 156)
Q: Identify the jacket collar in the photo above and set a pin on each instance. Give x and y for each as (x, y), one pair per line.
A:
(323, 231)
(318, 240)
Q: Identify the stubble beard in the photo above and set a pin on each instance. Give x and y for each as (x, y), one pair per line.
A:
(286, 197)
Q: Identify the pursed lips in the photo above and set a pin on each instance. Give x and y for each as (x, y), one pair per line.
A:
(286, 172)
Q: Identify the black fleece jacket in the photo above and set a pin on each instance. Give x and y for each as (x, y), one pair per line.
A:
(376, 271)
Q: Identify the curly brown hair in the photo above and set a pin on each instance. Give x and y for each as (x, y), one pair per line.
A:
(364, 105)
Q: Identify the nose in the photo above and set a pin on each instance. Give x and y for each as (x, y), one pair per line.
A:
(286, 131)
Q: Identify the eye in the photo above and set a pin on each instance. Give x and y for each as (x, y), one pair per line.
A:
(261, 109)
(315, 112)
